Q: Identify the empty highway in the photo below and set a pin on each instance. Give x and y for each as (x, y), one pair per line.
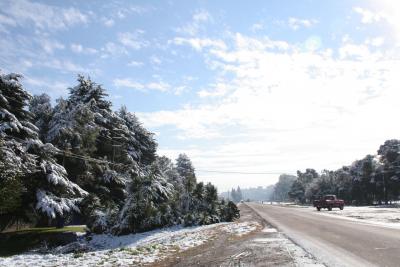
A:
(335, 241)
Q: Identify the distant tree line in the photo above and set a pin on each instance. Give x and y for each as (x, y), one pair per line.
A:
(79, 161)
(236, 194)
(252, 193)
(375, 179)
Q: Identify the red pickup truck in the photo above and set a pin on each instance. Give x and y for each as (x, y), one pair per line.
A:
(329, 202)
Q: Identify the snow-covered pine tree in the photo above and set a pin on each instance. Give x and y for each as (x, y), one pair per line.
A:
(42, 111)
(168, 170)
(198, 197)
(41, 185)
(229, 211)
(141, 144)
(148, 204)
(185, 169)
(113, 157)
(98, 139)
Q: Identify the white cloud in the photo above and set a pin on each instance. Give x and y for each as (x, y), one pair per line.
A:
(108, 22)
(313, 43)
(126, 11)
(384, 12)
(132, 39)
(134, 63)
(4, 20)
(66, 66)
(257, 27)
(42, 16)
(199, 43)
(49, 46)
(128, 83)
(287, 109)
(377, 41)
(53, 88)
(112, 49)
(296, 23)
(219, 89)
(199, 19)
(159, 86)
(180, 89)
(79, 49)
(368, 16)
(201, 16)
(155, 60)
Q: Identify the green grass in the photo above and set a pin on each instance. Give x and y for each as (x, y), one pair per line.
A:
(76, 229)
(19, 241)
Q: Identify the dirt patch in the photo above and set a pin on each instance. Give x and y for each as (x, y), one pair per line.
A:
(262, 247)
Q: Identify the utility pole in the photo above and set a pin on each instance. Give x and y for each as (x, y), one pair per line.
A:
(113, 145)
(384, 187)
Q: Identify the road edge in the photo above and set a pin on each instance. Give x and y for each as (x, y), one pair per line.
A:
(266, 222)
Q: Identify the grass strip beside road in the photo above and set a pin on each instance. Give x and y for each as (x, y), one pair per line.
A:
(23, 240)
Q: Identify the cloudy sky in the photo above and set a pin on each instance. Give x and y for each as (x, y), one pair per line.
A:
(240, 86)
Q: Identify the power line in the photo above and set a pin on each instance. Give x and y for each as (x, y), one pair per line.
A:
(72, 155)
(239, 172)
(82, 157)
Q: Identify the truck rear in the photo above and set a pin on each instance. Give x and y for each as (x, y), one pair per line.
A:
(329, 202)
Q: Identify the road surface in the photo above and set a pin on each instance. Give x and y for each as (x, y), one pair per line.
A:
(335, 241)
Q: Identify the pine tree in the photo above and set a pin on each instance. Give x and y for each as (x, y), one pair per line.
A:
(390, 159)
(148, 203)
(41, 184)
(141, 146)
(82, 126)
(100, 163)
(169, 171)
(42, 111)
(185, 169)
(239, 194)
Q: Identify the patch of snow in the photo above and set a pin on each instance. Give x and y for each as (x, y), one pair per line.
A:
(52, 205)
(269, 230)
(80, 233)
(300, 256)
(241, 228)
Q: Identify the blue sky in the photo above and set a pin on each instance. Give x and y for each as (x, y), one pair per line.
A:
(260, 86)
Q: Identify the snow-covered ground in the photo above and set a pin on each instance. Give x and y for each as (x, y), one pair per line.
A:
(278, 240)
(384, 215)
(240, 229)
(271, 247)
(134, 249)
(373, 214)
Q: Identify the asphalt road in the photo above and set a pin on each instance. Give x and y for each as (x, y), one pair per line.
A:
(335, 241)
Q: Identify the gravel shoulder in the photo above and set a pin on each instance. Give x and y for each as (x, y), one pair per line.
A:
(264, 246)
